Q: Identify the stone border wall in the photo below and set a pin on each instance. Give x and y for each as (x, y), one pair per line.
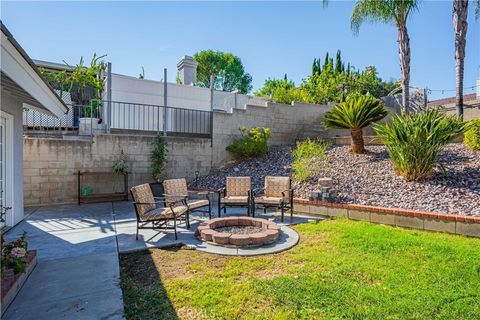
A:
(431, 221)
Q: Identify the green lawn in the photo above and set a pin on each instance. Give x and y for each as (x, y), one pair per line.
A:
(341, 269)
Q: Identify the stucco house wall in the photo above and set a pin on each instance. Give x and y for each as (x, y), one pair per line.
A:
(14, 175)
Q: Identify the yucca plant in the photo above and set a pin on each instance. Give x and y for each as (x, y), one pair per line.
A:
(414, 141)
(357, 112)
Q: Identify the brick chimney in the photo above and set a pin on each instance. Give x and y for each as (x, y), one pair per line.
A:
(187, 70)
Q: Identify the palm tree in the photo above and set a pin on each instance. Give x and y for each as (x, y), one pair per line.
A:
(387, 11)
(355, 113)
(460, 25)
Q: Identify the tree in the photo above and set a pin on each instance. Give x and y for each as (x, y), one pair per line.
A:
(357, 112)
(387, 11)
(270, 85)
(460, 25)
(226, 69)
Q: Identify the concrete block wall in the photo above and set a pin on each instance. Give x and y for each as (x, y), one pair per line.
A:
(50, 165)
(287, 123)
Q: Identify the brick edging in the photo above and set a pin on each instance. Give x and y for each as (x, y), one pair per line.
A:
(401, 212)
(433, 221)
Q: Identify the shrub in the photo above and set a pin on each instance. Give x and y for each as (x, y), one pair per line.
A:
(472, 134)
(13, 254)
(158, 158)
(308, 158)
(414, 141)
(357, 112)
(252, 143)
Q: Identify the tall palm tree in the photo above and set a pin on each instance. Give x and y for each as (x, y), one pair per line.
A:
(460, 25)
(388, 11)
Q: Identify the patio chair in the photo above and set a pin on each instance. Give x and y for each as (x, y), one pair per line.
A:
(277, 193)
(176, 189)
(238, 193)
(151, 209)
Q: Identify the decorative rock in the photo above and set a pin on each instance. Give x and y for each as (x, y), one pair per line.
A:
(207, 234)
(325, 182)
(231, 221)
(238, 231)
(272, 235)
(240, 239)
(221, 237)
(273, 226)
(258, 238)
(371, 180)
(218, 222)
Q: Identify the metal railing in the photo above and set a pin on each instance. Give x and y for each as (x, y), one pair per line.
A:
(36, 120)
(146, 117)
(125, 116)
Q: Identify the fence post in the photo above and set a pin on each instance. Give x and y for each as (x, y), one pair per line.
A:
(108, 112)
(211, 111)
(165, 102)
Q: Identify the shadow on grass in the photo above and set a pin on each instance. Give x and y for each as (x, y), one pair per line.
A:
(144, 293)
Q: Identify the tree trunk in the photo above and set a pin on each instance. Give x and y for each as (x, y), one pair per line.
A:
(357, 144)
(404, 54)
(460, 25)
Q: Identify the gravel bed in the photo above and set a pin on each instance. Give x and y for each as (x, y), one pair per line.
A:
(369, 179)
(239, 229)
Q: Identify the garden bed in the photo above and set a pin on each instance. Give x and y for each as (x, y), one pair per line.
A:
(370, 179)
(341, 269)
(12, 283)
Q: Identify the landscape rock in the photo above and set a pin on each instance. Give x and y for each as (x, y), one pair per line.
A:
(369, 179)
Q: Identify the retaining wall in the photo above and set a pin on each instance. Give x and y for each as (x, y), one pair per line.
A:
(50, 165)
(431, 221)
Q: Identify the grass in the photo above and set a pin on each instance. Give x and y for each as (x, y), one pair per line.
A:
(341, 269)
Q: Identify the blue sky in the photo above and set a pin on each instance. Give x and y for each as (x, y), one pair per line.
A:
(271, 38)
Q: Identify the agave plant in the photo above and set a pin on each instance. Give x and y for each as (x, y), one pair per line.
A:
(357, 112)
(414, 141)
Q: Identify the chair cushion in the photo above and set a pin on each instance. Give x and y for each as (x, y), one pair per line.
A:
(195, 204)
(268, 200)
(175, 189)
(163, 213)
(234, 200)
(143, 194)
(274, 186)
(238, 186)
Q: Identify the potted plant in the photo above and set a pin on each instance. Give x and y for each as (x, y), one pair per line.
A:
(119, 168)
(86, 92)
(158, 160)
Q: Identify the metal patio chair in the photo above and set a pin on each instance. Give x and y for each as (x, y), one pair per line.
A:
(277, 193)
(176, 189)
(238, 193)
(151, 210)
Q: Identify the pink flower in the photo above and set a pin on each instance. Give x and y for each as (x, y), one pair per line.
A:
(18, 252)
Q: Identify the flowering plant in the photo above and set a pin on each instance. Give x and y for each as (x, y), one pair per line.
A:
(13, 254)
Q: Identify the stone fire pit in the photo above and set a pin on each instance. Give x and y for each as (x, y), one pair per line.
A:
(238, 231)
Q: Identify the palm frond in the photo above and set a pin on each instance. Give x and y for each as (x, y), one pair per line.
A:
(355, 113)
(414, 141)
(383, 11)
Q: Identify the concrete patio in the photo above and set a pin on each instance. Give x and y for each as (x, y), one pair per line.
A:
(78, 276)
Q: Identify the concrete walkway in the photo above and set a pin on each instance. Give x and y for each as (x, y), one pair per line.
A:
(77, 276)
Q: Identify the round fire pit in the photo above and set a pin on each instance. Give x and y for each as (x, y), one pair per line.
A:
(238, 231)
